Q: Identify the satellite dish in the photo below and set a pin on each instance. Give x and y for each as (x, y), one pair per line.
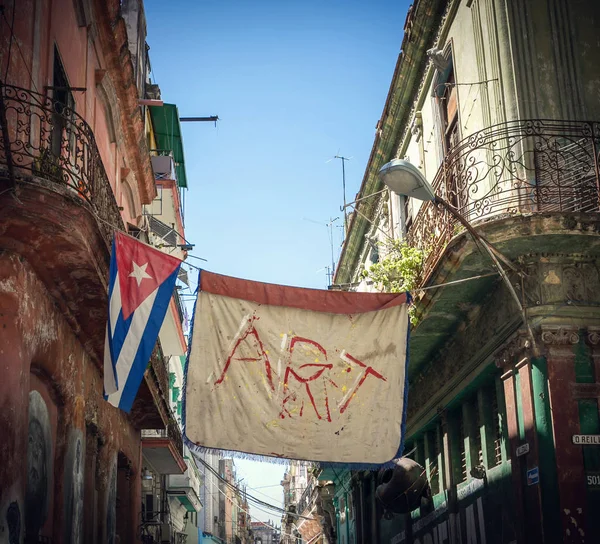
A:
(403, 486)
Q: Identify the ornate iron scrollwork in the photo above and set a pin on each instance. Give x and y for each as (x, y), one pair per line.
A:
(51, 141)
(516, 167)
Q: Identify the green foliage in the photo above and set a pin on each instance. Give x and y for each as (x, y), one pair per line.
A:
(400, 269)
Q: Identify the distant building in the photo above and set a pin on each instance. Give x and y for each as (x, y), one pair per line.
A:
(264, 533)
(309, 507)
(171, 499)
(210, 495)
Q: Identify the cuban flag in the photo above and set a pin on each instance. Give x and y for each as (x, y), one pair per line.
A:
(141, 285)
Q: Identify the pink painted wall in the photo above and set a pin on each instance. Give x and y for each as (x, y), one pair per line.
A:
(81, 57)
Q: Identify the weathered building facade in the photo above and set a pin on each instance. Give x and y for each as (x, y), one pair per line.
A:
(264, 533)
(74, 166)
(496, 102)
(171, 483)
(308, 501)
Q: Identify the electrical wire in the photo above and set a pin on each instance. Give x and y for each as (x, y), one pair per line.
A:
(248, 496)
(253, 499)
(206, 465)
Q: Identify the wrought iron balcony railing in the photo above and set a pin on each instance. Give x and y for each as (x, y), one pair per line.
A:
(45, 138)
(519, 167)
(305, 498)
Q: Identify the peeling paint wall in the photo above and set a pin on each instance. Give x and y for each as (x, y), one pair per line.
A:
(50, 401)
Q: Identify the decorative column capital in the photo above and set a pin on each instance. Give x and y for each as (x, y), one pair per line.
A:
(593, 336)
(559, 336)
(518, 346)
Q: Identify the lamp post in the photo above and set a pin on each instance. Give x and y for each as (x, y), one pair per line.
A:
(404, 178)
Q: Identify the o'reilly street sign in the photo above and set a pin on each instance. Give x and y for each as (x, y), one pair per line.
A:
(586, 439)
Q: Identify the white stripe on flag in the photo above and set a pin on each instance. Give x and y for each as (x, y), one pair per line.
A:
(131, 345)
(115, 306)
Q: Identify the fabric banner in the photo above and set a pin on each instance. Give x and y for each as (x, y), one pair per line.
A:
(297, 373)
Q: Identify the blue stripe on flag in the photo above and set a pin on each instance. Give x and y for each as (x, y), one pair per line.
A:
(112, 276)
(142, 357)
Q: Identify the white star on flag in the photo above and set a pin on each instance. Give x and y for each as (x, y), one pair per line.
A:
(139, 273)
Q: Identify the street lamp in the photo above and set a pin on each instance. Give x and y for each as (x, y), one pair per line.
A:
(404, 178)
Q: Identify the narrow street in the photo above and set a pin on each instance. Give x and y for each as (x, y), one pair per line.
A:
(299, 272)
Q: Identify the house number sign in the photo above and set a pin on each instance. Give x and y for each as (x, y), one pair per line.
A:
(593, 480)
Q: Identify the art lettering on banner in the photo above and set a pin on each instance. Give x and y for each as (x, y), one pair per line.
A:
(297, 373)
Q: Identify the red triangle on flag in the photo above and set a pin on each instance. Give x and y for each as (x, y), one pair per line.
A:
(141, 269)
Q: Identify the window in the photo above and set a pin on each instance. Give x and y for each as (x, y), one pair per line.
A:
(448, 127)
(463, 450)
(407, 215)
(433, 450)
(62, 142)
(497, 429)
(475, 432)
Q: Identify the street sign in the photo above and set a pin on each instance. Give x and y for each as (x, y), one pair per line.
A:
(586, 439)
(523, 449)
(533, 476)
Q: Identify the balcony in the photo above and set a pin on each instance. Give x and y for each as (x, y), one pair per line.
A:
(309, 525)
(59, 213)
(186, 487)
(151, 408)
(305, 503)
(57, 207)
(44, 141)
(162, 441)
(521, 167)
(163, 449)
(531, 188)
(170, 197)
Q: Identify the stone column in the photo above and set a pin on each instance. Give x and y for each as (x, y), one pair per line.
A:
(515, 351)
(531, 460)
(559, 343)
(512, 426)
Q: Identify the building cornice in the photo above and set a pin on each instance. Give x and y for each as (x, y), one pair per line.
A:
(112, 34)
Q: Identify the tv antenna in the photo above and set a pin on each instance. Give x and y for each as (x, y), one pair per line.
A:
(329, 225)
(343, 208)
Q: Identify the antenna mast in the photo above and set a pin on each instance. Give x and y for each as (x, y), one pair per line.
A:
(344, 159)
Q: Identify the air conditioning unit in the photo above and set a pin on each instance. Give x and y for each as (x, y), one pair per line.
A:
(162, 166)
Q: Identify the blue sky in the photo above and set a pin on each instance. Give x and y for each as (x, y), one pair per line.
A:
(294, 82)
